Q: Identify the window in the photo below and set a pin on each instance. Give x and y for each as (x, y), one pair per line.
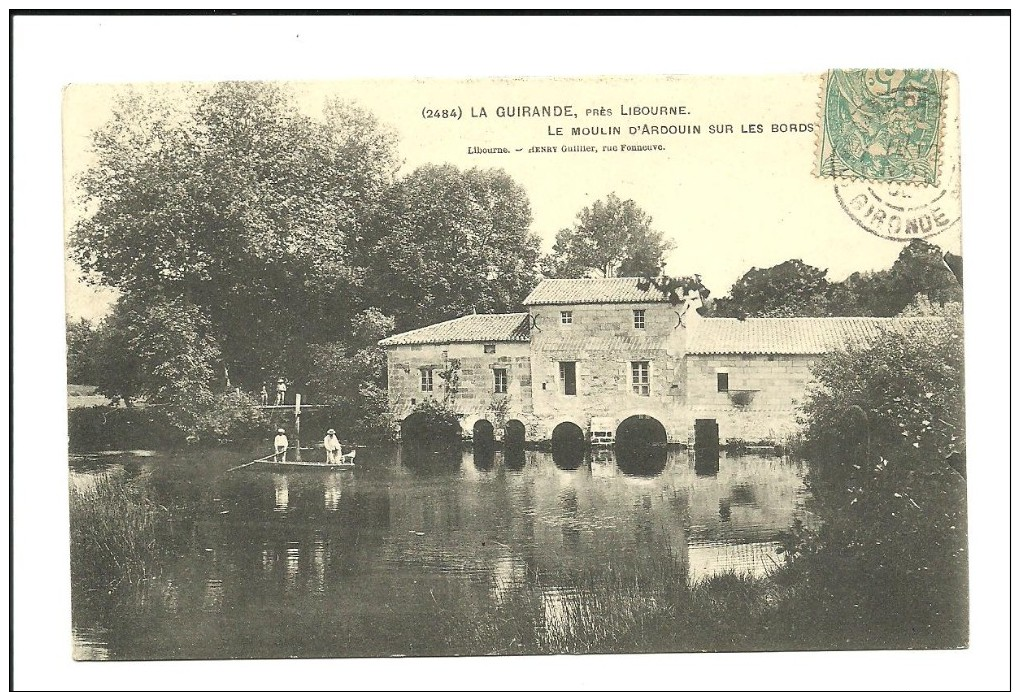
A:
(566, 317)
(568, 376)
(723, 381)
(426, 379)
(639, 319)
(499, 380)
(489, 348)
(639, 377)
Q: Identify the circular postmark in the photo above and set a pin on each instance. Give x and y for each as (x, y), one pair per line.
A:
(902, 212)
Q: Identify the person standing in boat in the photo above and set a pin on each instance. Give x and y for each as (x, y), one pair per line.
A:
(281, 444)
(333, 449)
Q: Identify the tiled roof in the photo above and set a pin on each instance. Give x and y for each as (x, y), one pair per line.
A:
(789, 335)
(602, 342)
(513, 326)
(577, 291)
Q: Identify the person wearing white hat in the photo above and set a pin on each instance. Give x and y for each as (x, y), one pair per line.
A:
(281, 445)
(281, 392)
(332, 445)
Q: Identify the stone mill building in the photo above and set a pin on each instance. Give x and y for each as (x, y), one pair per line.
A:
(603, 359)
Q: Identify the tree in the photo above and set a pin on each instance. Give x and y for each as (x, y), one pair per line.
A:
(610, 238)
(790, 289)
(449, 242)
(919, 270)
(81, 347)
(351, 375)
(241, 206)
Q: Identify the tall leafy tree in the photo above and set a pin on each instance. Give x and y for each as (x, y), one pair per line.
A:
(790, 289)
(612, 237)
(449, 242)
(919, 270)
(240, 205)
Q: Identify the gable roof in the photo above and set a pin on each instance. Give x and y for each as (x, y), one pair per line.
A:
(579, 291)
(790, 335)
(513, 326)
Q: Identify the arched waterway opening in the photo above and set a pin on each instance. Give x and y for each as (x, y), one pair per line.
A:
(641, 446)
(514, 434)
(483, 435)
(420, 427)
(568, 446)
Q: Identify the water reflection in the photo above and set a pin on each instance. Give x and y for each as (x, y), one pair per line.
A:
(281, 487)
(568, 456)
(484, 457)
(706, 461)
(331, 492)
(514, 458)
(639, 459)
(362, 559)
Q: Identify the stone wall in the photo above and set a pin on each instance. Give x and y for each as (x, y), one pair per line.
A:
(474, 397)
(603, 342)
(775, 385)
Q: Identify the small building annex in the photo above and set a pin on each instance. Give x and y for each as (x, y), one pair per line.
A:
(597, 357)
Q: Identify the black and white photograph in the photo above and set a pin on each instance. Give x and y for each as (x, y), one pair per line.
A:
(507, 366)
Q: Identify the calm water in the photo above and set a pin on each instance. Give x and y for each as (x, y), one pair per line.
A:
(403, 554)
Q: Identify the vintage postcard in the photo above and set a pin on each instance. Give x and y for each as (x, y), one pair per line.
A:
(516, 366)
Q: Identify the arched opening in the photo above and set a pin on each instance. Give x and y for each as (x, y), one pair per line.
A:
(483, 434)
(641, 446)
(568, 446)
(514, 434)
(422, 427)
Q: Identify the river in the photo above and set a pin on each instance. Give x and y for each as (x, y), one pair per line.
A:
(421, 552)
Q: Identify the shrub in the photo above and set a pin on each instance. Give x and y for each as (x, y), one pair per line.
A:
(885, 436)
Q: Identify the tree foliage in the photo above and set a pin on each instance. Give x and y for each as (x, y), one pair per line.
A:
(450, 242)
(885, 431)
(612, 237)
(790, 289)
(796, 289)
(243, 206)
(81, 352)
(350, 375)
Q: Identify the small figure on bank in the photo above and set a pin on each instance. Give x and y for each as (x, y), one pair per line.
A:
(281, 392)
(333, 449)
(264, 396)
(281, 445)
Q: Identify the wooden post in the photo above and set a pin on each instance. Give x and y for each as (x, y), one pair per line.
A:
(297, 424)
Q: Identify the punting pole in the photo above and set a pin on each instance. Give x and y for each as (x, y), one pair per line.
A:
(297, 424)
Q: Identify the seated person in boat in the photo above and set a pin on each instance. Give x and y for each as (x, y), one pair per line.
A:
(281, 445)
(332, 445)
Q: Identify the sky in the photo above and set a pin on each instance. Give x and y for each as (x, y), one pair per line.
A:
(728, 201)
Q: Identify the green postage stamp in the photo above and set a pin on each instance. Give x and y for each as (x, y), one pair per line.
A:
(882, 125)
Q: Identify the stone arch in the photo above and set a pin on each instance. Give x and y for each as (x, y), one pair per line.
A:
(483, 434)
(420, 427)
(568, 445)
(641, 446)
(514, 433)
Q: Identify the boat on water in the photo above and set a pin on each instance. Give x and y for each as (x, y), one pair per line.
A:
(346, 464)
